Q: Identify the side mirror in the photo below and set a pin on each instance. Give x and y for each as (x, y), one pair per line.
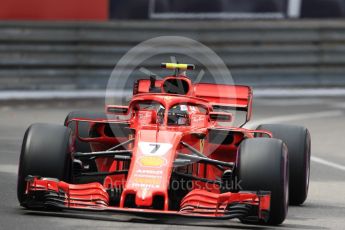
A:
(116, 109)
(220, 116)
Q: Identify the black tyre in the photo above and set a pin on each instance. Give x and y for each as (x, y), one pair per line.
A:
(83, 127)
(262, 165)
(45, 152)
(298, 142)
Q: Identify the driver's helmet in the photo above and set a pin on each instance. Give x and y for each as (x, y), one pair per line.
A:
(178, 115)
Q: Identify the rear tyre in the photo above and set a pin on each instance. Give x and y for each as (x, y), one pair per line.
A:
(45, 152)
(298, 142)
(80, 146)
(262, 165)
(83, 127)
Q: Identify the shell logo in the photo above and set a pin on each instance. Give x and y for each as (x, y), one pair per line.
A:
(152, 161)
(144, 180)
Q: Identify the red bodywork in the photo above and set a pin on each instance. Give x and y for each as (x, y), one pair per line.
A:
(142, 181)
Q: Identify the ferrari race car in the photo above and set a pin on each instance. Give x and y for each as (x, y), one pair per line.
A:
(172, 150)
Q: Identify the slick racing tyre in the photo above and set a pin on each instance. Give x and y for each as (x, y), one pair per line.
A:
(83, 131)
(83, 127)
(45, 152)
(263, 165)
(298, 142)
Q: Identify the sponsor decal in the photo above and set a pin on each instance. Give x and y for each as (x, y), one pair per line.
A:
(154, 148)
(153, 153)
(147, 179)
(144, 180)
(152, 161)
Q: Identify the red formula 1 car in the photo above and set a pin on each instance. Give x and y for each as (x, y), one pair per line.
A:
(170, 151)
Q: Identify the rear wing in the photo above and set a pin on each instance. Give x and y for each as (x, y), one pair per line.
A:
(226, 97)
(236, 97)
(231, 97)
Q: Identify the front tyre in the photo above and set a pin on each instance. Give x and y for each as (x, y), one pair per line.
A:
(46, 152)
(297, 139)
(263, 165)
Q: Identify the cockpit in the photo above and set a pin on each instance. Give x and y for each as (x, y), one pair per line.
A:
(179, 114)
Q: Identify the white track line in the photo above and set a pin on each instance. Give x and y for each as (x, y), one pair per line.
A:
(8, 168)
(303, 116)
(328, 163)
(295, 92)
(10, 139)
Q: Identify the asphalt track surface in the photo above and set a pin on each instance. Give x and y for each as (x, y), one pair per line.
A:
(324, 208)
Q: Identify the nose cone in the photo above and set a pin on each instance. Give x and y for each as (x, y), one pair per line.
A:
(151, 166)
(144, 197)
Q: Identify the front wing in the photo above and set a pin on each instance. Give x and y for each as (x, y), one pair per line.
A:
(54, 194)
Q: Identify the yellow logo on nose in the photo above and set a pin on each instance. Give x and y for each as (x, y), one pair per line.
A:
(153, 161)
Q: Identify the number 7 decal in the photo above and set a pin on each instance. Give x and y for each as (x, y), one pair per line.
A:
(154, 149)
